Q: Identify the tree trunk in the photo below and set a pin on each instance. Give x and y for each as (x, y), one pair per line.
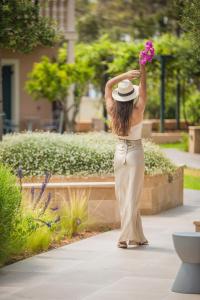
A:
(76, 110)
(105, 114)
(68, 124)
(70, 28)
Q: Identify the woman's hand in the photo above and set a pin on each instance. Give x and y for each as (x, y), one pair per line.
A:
(133, 74)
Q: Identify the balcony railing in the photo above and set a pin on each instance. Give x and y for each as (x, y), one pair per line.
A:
(57, 10)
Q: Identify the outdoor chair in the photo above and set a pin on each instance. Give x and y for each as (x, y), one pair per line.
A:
(51, 125)
(187, 246)
(9, 126)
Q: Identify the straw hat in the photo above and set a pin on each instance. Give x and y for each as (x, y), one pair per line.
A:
(125, 91)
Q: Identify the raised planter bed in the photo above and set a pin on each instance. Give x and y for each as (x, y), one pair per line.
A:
(197, 226)
(161, 192)
(170, 124)
(194, 139)
(166, 137)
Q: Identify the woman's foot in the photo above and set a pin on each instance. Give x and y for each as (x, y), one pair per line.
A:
(122, 244)
(132, 242)
(143, 243)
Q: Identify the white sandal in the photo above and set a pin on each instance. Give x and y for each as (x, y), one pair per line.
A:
(122, 244)
(132, 242)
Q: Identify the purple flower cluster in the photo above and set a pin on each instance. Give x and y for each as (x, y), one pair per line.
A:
(147, 54)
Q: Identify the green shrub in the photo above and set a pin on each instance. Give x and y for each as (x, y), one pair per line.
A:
(74, 214)
(72, 154)
(10, 200)
(156, 161)
(185, 141)
(58, 222)
(39, 240)
(192, 107)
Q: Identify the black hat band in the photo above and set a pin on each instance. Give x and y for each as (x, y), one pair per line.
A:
(127, 94)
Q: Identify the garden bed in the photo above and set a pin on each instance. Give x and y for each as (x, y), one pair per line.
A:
(166, 137)
(77, 191)
(160, 192)
(73, 154)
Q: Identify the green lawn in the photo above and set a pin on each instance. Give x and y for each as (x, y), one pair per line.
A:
(183, 144)
(176, 145)
(192, 179)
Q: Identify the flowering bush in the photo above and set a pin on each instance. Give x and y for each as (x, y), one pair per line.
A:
(72, 154)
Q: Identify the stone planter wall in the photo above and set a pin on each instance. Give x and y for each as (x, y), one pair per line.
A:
(165, 137)
(194, 139)
(160, 193)
(170, 124)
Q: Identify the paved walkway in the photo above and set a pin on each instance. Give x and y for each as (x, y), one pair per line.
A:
(95, 269)
(183, 158)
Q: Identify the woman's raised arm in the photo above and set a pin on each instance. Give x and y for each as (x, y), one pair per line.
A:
(142, 89)
(110, 83)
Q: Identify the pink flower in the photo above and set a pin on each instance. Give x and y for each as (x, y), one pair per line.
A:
(147, 54)
(149, 44)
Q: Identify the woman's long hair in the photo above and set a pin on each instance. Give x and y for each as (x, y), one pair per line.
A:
(121, 113)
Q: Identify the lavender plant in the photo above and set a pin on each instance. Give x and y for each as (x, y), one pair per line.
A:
(39, 215)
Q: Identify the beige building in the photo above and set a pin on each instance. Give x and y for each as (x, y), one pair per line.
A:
(19, 107)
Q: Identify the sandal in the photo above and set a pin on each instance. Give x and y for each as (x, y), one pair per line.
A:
(122, 244)
(132, 242)
(143, 243)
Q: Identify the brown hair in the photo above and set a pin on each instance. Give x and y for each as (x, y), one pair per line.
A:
(121, 113)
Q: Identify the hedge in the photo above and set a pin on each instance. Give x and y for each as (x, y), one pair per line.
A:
(73, 154)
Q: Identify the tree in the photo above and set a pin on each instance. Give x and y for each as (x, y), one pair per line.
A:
(98, 61)
(182, 63)
(189, 13)
(125, 19)
(51, 79)
(22, 29)
(108, 58)
(99, 55)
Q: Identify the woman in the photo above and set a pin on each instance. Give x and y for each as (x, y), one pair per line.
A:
(126, 105)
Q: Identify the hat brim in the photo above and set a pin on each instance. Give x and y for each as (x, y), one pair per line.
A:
(133, 96)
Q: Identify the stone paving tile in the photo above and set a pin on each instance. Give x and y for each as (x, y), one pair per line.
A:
(95, 275)
(179, 157)
(22, 279)
(56, 291)
(65, 253)
(8, 289)
(95, 268)
(179, 296)
(41, 264)
(138, 288)
(118, 295)
(194, 195)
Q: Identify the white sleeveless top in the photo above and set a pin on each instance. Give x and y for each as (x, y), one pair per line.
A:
(135, 132)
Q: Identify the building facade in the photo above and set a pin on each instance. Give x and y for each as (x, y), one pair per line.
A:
(18, 106)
